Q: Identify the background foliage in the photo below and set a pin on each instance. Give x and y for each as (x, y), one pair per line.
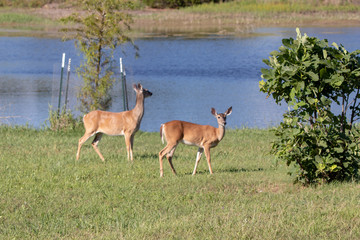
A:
(313, 78)
(151, 3)
(179, 3)
(176, 3)
(97, 35)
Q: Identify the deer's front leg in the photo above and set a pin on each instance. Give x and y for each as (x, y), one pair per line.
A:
(131, 146)
(128, 147)
(208, 158)
(198, 156)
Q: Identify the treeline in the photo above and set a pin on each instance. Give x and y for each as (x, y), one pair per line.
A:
(167, 3)
(178, 3)
(150, 3)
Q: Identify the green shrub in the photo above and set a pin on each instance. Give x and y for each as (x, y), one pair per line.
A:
(312, 77)
(62, 120)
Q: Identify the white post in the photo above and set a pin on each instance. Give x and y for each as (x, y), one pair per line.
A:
(63, 61)
(123, 85)
(121, 69)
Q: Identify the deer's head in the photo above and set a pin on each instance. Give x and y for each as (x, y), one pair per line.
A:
(221, 117)
(140, 90)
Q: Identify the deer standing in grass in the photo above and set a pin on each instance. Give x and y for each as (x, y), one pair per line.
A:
(122, 123)
(202, 136)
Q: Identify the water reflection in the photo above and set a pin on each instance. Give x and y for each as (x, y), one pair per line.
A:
(187, 77)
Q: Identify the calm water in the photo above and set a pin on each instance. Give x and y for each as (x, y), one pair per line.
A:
(187, 77)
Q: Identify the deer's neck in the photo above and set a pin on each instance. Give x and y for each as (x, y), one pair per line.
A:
(139, 107)
(220, 132)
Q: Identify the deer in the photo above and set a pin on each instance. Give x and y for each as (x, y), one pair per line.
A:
(202, 136)
(125, 123)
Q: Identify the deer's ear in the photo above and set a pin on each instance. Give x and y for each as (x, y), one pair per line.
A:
(213, 111)
(139, 86)
(135, 87)
(229, 111)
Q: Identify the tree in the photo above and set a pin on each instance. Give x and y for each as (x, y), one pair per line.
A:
(312, 78)
(97, 34)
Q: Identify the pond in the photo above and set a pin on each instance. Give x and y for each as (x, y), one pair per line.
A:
(186, 76)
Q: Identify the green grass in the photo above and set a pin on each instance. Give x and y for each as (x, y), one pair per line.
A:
(241, 17)
(24, 21)
(45, 194)
(19, 18)
(272, 6)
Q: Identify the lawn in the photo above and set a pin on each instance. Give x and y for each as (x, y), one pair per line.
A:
(46, 194)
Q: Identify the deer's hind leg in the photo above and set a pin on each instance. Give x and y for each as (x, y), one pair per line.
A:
(168, 149)
(95, 143)
(169, 158)
(82, 140)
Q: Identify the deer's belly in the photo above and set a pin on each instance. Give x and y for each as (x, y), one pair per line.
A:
(190, 143)
(113, 133)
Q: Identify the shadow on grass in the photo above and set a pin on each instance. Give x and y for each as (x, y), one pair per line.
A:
(236, 170)
(229, 170)
(147, 155)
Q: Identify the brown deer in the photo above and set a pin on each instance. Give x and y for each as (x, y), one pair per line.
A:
(202, 136)
(120, 123)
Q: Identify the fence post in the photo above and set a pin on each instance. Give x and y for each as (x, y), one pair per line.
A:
(123, 85)
(126, 96)
(67, 83)
(61, 79)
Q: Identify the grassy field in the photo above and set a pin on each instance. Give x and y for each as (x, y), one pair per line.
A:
(266, 7)
(45, 194)
(24, 20)
(238, 18)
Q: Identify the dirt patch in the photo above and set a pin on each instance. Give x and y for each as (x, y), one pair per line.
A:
(54, 11)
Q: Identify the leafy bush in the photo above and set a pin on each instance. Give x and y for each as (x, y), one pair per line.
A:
(62, 120)
(312, 78)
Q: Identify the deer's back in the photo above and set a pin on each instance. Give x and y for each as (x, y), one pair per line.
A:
(110, 123)
(190, 133)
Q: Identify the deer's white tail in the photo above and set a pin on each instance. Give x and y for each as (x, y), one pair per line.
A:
(162, 130)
